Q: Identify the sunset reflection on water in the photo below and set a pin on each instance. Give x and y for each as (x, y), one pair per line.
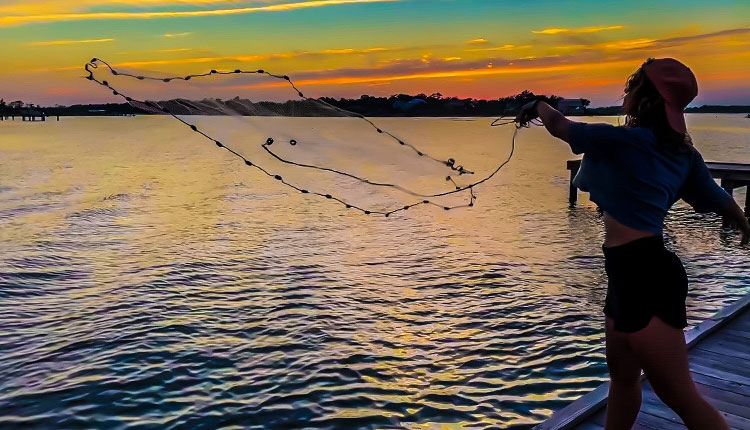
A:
(149, 280)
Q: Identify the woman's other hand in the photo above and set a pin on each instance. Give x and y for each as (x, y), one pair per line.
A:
(745, 227)
(735, 215)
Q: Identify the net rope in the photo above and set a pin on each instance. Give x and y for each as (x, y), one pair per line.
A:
(174, 108)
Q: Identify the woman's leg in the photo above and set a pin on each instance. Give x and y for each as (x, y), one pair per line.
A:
(661, 351)
(625, 387)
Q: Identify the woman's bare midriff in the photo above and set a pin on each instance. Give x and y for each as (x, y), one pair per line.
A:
(615, 233)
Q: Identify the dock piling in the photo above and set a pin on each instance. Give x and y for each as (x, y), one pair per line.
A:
(573, 166)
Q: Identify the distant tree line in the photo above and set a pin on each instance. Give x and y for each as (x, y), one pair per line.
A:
(605, 111)
(437, 105)
(718, 109)
(396, 105)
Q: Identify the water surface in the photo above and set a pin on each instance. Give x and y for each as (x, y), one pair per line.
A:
(150, 281)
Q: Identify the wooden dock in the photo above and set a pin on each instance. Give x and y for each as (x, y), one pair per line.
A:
(732, 175)
(719, 356)
(26, 113)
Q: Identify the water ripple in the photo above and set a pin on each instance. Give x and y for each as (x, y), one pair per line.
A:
(157, 299)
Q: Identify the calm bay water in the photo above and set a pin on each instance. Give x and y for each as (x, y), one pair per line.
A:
(149, 281)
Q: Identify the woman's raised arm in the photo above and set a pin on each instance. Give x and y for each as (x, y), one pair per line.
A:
(554, 121)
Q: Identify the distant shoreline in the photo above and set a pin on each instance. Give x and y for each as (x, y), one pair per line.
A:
(379, 107)
(369, 116)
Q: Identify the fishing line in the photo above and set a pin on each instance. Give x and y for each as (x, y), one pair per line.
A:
(94, 64)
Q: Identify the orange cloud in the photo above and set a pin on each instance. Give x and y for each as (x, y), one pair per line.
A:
(577, 30)
(506, 47)
(346, 51)
(32, 7)
(68, 42)
(464, 73)
(250, 58)
(478, 41)
(61, 91)
(28, 19)
(617, 45)
(629, 44)
(170, 35)
(176, 50)
(732, 38)
(230, 59)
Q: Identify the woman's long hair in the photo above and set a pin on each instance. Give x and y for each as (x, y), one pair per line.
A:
(643, 106)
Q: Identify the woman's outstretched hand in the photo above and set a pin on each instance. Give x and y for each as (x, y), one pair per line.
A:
(527, 113)
(553, 121)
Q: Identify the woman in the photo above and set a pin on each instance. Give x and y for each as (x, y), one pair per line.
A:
(635, 173)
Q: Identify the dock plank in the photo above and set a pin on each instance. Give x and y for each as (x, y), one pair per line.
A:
(590, 426)
(742, 324)
(709, 367)
(719, 360)
(727, 401)
(655, 415)
(723, 384)
(652, 422)
(728, 338)
(654, 406)
(727, 347)
(738, 333)
(644, 421)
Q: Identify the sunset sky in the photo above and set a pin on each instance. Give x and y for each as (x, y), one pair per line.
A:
(466, 48)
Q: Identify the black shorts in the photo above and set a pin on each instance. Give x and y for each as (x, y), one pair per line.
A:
(645, 280)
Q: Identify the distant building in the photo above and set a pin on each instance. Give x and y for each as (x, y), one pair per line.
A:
(571, 106)
(455, 104)
(405, 106)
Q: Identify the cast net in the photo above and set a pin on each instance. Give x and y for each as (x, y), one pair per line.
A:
(304, 143)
